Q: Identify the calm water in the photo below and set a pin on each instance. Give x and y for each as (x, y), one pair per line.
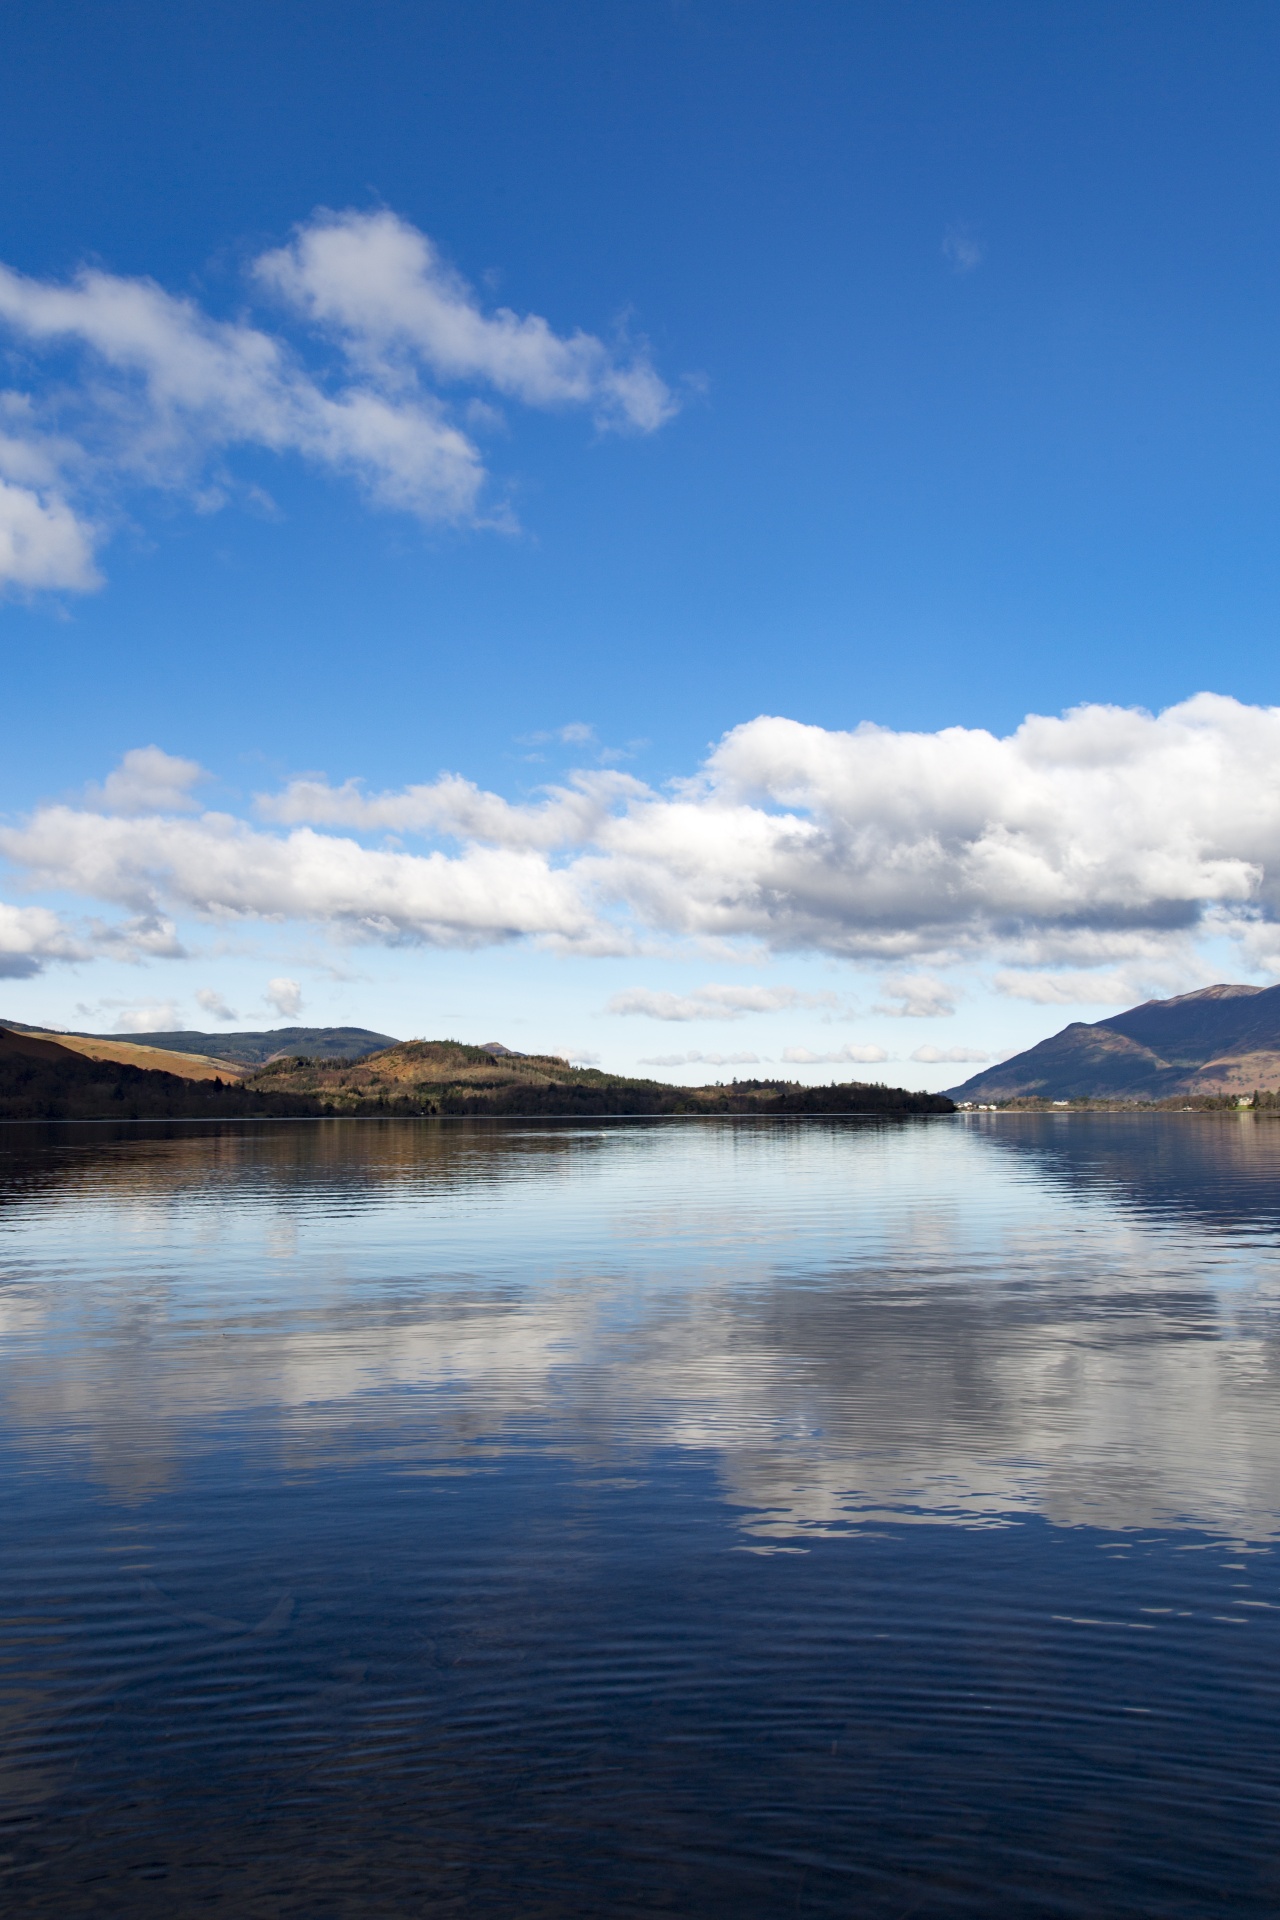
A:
(430, 1518)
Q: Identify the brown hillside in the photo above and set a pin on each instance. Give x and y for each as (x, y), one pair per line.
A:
(43, 1080)
(128, 1053)
(446, 1077)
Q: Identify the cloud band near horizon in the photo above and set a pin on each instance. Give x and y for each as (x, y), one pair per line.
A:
(1108, 838)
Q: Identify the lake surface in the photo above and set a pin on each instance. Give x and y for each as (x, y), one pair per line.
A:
(733, 1518)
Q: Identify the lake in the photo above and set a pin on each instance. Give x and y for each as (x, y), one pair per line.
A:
(702, 1518)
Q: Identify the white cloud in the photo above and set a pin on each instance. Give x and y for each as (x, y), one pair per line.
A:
(221, 868)
(714, 1002)
(455, 808)
(147, 936)
(705, 1059)
(1107, 822)
(214, 1005)
(136, 1016)
(933, 1055)
(1150, 977)
(842, 1056)
(285, 996)
(148, 780)
(43, 545)
(917, 996)
(383, 289)
(32, 936)
(151, 390)
(1109, 839)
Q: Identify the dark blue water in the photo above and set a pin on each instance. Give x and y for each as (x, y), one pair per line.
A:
(420, 1518)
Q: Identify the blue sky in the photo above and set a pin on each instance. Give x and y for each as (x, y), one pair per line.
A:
(912, 366)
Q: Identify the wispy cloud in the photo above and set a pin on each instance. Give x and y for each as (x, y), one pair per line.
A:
(395, 305)
(838, 1057)
(933, 1055)
(133, 1016)
(962, 248)
(146, 389)
(916, 996)
(1153, 975)
(214, 1005)
(700, 1059)
(714, 1002)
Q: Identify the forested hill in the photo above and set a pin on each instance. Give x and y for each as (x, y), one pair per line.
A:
(43, 1080)
(444, 1076)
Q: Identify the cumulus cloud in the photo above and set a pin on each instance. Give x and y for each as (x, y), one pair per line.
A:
(916, 996)
(932, 1055)
(148, 1016)
(30, 937)
(714, 1002)
(148, 389)
(1108, 838)
(135, 1016)
(214, 1005)
(148, 780)
(842, 1056)
(1105, 823)
(223, 869)
(285, 996)
(705, 1059)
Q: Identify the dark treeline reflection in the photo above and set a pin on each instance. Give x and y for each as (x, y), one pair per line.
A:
(340, 1158)
(1223, 1169)
(699, 1518)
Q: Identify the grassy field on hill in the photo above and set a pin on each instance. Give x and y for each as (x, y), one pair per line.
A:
(43, 1080)
(133, 1053)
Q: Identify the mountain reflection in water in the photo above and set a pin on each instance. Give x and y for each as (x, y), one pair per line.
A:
(526, 1519)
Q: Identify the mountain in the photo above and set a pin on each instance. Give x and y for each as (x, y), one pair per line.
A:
(1222, 1040)
(240, 1050)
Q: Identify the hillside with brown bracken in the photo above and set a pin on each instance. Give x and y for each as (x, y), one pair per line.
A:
(43, 1078)
(446, 1077)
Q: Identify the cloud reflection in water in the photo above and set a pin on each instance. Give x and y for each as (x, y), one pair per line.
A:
(955, 1322)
